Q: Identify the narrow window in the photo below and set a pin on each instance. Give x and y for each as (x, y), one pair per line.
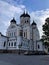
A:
(9, 43)
(21, 32)
(4, 43)
(38, 46)
(14, 43)
(27, 21)
(24, 34)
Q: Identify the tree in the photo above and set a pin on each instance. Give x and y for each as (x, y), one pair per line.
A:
(45, 37)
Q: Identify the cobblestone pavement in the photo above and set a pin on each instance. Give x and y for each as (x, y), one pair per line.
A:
(13, 59)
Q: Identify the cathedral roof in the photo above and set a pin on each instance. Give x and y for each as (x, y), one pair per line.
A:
(33, 23)
(25, 15)
(13, 20)
(3, 35)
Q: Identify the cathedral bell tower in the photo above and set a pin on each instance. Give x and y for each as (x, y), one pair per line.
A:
(13, 23)
(35, 32)
(25, 19)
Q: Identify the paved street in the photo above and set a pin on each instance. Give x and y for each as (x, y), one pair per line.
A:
(13, 59)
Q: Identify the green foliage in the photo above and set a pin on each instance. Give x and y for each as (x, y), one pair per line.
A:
(45, 36)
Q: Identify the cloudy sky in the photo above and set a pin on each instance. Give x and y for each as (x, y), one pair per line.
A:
(38, 10)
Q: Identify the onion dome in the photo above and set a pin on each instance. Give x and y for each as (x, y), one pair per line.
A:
(13, 20)
(0, 32)
(25, 15)
(47, 19)
(33, 23)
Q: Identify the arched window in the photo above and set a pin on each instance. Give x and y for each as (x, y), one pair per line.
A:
(38, 46)
(9, 43)
(24, 34)
(14, 43)
(4, 43)
(27, 21)
(21, 32)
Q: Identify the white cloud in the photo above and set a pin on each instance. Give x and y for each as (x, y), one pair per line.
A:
(8, 9)
(39, 17)
(7, 12)
(21, 6)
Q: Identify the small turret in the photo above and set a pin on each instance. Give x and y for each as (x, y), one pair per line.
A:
(13, 21)
(33, 23)
(35, 31)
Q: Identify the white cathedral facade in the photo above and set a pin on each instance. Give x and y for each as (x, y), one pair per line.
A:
(24, 36)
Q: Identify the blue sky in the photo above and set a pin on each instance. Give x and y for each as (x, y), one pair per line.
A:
(36, 4)
(38, 10)
(31, 5)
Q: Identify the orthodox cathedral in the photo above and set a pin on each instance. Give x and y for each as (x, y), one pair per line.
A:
(21, 37)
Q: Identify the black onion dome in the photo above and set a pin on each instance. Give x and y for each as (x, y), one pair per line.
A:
(13, 20)
(25, 15)
(47, 19)
(33, 23)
